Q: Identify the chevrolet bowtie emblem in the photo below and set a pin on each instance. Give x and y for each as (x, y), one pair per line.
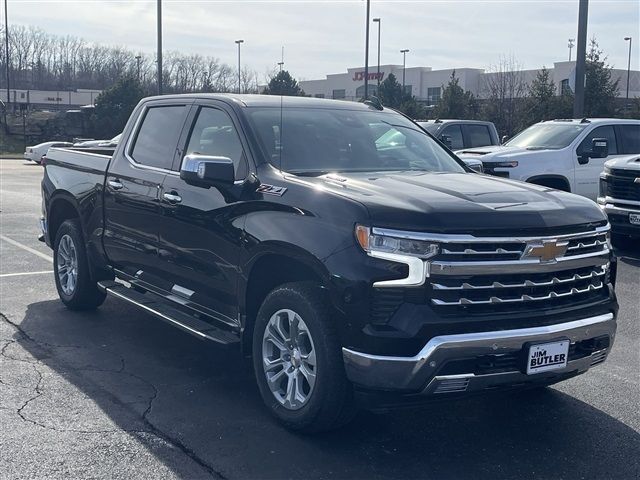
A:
(545, 250)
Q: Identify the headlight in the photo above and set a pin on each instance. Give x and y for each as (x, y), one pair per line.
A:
(383, 243)
(400, 249)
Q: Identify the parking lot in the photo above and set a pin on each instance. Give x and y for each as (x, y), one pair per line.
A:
(118, 394)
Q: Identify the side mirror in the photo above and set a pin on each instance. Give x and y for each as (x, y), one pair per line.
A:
(207, 171)
(446, 139)
(505, 139)
(599, 148)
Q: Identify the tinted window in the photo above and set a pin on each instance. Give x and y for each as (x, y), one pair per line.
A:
(316, 141)
(455, 133)
(548, 135)
(479, 135)
(605, 131)
(215, 135)
(630, 136)
(157, 138)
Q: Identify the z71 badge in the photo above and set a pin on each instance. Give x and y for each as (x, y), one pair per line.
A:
(271, 189)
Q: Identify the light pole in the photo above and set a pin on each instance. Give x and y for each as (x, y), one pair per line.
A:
(377, 20)
(6, 56)
(281, 64)
(159, 47)
(629, 39)
(366, 54)
(570, 45)
(138, 58)
(581, 52)
(239, 42)
(404, 66)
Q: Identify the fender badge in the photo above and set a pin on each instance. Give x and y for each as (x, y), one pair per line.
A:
(271, 189)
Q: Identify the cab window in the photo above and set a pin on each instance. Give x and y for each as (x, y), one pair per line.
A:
(605, 131)
(214, 134)
(455, 133)
(157, 139)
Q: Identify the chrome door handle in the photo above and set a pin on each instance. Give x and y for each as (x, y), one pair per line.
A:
(115, 184)
(172, 197)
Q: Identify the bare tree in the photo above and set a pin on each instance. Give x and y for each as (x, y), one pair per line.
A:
(504, 87)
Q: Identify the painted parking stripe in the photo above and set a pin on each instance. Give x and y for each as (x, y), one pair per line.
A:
(28, 249)
(24, 273)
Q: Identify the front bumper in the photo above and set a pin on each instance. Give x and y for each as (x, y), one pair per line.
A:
(618, 213)
(426, 373)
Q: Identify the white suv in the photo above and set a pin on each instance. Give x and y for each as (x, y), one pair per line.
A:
(564, 154)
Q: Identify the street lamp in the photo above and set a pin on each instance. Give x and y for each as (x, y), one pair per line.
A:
(377, 20)
(280, 64)
(159, 59)
(628, 39)
(239, 42)
(138, 58)
(6, 57)
(366, 54)
(404, 66)
(570, 45)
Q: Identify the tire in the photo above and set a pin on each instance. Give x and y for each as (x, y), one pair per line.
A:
(76, 290)
(328, 403)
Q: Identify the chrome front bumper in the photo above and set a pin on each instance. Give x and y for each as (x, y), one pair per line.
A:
(420, 372)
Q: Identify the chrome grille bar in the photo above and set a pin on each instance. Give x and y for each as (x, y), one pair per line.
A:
(556, 280)
(522, 298)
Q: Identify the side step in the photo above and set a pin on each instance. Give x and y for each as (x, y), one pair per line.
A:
(159, 307)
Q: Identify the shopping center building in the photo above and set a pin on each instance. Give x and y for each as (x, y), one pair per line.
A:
(426, 84)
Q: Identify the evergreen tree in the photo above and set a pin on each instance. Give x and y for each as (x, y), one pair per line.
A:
(600, 91)
(114, 106)
(283, 84)
(390, 92)
(454, 101)
(542, 103)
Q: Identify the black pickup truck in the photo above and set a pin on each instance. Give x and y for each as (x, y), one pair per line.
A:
(343, 249)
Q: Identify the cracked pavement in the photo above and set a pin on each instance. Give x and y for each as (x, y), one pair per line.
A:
(118, 394)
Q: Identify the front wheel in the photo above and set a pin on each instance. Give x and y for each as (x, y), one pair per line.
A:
(71, 269)
(297, 360)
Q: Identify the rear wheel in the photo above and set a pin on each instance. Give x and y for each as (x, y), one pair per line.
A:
(298, 360)
(71, 269)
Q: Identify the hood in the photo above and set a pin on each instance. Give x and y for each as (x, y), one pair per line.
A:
(625, 163)
(459, 202)
(502, 153)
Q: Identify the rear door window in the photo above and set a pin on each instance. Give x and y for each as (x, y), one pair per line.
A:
(454, 132)
(478, 135)
(157, 139)
(630, 138)
(605, 131)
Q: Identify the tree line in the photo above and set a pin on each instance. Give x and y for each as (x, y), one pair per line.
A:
(42, 61)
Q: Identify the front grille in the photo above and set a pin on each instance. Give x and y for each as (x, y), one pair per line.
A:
(487, 276)
(623, 187)
(495, 276)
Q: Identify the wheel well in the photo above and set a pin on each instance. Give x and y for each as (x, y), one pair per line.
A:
(60, 210)
(557, 182)
(267, 273)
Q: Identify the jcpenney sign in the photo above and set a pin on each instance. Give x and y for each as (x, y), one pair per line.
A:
(359, 76)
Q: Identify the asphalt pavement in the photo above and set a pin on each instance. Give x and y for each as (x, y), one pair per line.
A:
(118, 394)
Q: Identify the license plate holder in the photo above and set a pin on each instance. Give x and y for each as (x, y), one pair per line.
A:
(634, 218)
(548, 356)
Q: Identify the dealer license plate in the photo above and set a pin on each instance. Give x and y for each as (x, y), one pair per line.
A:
(634, 218)
(547, 356)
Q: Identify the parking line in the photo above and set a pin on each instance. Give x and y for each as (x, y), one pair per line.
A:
(3, 275)
(28, 249)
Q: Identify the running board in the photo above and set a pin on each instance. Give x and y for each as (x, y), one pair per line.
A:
(155, 305)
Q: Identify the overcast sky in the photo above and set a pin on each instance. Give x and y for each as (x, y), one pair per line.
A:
(325, 36)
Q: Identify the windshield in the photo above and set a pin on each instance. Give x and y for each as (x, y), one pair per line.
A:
(320, 140)
(547, 135)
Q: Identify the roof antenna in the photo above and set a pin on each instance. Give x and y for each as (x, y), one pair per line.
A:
(374, 102)
(280, 139)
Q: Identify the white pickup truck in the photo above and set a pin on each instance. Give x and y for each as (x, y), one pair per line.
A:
(564, 154)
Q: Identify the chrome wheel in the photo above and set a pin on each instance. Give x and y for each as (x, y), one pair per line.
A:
(67, 259)
(289, 359)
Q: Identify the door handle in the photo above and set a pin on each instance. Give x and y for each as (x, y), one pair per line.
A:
(172, 198)
(115, 184)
